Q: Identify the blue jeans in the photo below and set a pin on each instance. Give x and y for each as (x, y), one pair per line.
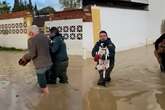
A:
(41, 76)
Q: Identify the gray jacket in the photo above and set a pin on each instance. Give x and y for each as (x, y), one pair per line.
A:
(38, 51)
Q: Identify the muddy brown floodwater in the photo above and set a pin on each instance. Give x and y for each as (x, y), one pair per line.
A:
(137, 84)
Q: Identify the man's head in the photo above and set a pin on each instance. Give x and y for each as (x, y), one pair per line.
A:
(103, 35)
(54, 31)
(33, 31)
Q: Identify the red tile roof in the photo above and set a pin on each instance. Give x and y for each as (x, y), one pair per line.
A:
(71, 14)
(14, 15)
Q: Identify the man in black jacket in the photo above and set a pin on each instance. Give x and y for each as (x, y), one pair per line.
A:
(59, 56)
(160, 51)
(111, 48)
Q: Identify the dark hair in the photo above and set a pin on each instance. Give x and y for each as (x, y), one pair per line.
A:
(54, 30)
(103, 32)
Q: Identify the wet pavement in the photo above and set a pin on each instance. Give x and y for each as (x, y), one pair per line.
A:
(137, 84)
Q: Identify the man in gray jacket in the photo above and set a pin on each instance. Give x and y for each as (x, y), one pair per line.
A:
(38, 52)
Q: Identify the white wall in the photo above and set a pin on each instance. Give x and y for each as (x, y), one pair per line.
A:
(88, 39)
(127, 28)
(19, 41)
(13, 40)
(156, 15)
(74, 47)
(132, 28)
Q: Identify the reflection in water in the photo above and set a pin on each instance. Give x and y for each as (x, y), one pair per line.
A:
(60, 98)
(100, 99)
(161, 98)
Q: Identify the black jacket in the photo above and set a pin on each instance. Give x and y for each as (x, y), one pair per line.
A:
(159, 40)
(109, 44)
(58, 49)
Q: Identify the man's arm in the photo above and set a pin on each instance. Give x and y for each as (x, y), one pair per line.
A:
(95, 49)
(111, 48)
(32, 51)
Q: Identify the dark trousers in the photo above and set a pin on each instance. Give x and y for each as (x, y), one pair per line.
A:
(59, 70)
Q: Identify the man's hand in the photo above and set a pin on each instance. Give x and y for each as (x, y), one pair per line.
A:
(23, 62)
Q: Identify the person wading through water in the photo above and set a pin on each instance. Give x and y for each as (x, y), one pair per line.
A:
(104, 43)
(38, 52)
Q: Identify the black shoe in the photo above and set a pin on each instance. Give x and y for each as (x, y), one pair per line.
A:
(108, 79)
(63, 81)
(51, 82)
(101, 83)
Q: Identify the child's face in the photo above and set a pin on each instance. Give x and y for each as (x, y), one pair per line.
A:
(103, 36)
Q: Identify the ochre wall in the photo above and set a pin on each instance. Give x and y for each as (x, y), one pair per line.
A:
(96, 22)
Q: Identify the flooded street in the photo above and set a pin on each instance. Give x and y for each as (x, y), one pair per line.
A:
(137, 84)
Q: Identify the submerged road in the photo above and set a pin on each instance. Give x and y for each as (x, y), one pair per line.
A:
(137, 84)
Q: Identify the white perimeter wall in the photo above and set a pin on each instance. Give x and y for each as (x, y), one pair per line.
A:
(156, 15)
(13, 40)
(88, 39)
(74, 46)
(81, 47)
(133, 28)
(127, 28)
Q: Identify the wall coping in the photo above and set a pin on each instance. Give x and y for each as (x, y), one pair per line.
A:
(13, 15)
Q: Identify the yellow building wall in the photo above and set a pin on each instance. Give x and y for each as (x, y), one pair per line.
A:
(29, 20)
(96, 22)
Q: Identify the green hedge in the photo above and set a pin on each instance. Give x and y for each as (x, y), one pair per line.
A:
(10, 49)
